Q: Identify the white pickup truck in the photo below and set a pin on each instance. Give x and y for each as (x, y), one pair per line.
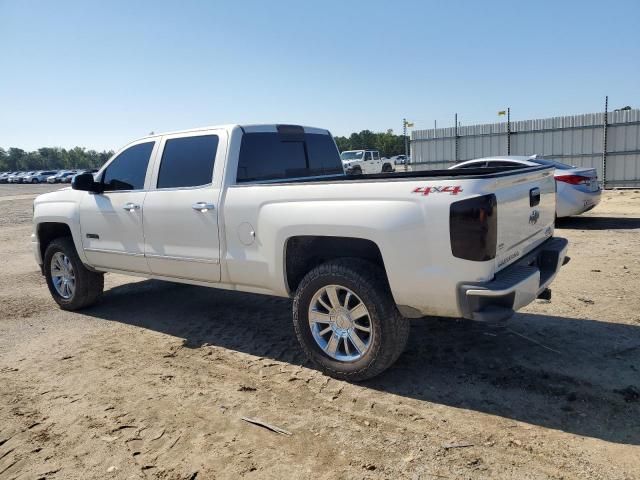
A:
(268, 209)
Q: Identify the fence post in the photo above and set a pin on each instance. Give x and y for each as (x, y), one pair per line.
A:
(456, 133)
(508, 130)
(605, 125)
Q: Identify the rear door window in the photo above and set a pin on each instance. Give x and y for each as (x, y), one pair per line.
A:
(187, 161)
(474, 165)
(503, 163)
(127, 170)
(268, 156)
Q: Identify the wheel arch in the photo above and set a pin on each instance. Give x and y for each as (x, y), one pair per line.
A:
(302, 253)
(46, 232)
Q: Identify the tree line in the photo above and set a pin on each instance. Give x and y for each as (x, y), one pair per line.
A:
(387, 143)
(51, 158)
(56, 158)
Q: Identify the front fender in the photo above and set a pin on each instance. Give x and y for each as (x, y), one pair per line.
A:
(60, 207)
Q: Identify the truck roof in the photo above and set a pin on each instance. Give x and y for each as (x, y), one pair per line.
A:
(247, 128)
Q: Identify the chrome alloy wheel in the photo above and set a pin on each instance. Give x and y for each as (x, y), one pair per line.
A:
(340, 323)
(62, 275)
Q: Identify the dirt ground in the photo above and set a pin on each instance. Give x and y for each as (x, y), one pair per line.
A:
(154, 381)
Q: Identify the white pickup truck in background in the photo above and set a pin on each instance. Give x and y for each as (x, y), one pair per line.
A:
(268, 209)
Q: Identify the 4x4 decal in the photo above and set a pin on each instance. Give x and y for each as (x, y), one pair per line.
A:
(451, 189)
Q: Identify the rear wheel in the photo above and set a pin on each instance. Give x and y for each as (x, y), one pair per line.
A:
(71, 284)
(34, 180)
(386, 168)
(346, 320)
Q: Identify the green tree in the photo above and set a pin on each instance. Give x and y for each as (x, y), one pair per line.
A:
(16, 160)
(387, 143)
(50, 158)
(4, 157)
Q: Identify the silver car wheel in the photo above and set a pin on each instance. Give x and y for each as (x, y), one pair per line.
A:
(340, 323)
(62, 275)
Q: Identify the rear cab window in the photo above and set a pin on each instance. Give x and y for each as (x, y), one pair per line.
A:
(287, 154)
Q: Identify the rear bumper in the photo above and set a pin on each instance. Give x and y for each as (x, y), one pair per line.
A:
(573, 201)
(514, 287)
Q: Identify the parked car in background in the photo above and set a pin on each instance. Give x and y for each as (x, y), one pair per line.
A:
(68, 178)
(39, 176)
(4, 178)
(268, 209)
(358, 162)
(577, 189)
(19, 177)
(61, 176)
(400, 160)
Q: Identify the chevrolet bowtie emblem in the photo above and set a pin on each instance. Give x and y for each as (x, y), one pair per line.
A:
(533, 218)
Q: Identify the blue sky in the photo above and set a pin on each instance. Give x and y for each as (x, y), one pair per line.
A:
(98, 74)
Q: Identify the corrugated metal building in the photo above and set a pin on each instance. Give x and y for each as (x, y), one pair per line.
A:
(577, 139)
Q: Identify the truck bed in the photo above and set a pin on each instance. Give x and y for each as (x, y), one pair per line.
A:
(444, 174)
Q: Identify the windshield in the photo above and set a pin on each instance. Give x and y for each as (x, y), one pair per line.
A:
(355, 155)
(553, 163)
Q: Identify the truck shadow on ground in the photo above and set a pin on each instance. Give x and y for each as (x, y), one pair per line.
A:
(598, 223)
(575, 375)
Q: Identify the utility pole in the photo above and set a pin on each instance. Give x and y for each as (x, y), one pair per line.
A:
(406, 143)
(604, 141)
(507, 112)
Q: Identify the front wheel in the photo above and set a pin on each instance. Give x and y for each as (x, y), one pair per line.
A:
(34, 180)
(71, 284)
(346, 320)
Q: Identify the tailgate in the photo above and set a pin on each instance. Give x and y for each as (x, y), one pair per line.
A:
(526, 206)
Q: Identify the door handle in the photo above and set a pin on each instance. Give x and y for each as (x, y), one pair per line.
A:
(203, 206)
(130, 207)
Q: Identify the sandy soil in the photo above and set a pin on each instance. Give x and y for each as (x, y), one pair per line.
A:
(154, 381)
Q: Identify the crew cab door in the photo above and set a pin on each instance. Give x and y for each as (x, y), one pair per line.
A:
(377, 162)
(369, 163)
(111, 222)
(181, 208)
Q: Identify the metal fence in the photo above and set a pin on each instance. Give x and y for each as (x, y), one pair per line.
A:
(608, 142)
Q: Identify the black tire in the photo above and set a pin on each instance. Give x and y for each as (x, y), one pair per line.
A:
(390, 329)
(356, 171)
(34, 180)
(386, 168)
(88, 285)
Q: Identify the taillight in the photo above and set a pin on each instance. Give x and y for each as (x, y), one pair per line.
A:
(574, 179)
(473, 228)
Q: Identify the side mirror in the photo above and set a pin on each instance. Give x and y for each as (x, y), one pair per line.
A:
(86, 183)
